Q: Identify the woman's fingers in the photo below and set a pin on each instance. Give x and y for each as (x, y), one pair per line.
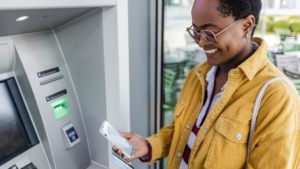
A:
(115, 149)
(127, 135)
(120, 153)
(129, 159)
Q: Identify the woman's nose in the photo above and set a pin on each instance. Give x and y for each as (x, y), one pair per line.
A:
(202, 42)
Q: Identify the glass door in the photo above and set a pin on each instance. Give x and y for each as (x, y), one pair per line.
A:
(180, 55)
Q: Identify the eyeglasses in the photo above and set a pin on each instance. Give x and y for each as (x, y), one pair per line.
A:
(207, 35)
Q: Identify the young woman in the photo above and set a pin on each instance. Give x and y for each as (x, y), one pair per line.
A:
(213, 114)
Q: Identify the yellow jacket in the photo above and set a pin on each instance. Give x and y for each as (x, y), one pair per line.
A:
(276, 142)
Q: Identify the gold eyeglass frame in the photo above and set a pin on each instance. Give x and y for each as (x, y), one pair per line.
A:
(215, 35)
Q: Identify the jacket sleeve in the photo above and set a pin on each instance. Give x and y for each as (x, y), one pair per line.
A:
(160, 143)
(275, 142)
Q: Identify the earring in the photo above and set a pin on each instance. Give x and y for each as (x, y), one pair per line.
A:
(246, 35)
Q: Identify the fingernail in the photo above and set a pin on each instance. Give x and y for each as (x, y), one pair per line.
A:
(125, 157)
(114, 148)
(119, 151)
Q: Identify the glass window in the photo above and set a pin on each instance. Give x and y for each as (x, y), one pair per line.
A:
(277, 25)
(271, 3)
(288, 3)
(181, 54)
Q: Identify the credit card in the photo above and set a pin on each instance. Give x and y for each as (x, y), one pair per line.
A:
(121, 162)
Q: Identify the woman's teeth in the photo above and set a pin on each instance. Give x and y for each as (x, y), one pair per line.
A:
(211, 51)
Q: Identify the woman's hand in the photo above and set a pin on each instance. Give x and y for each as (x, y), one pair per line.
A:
(139, 144)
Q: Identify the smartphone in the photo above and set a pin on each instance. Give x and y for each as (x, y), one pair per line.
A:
(109, 132)
(121, 162)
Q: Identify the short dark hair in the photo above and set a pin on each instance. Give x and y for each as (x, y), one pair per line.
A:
(241, 9)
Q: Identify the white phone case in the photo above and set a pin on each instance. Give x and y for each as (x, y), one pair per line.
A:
(124, 164)
(112, 141)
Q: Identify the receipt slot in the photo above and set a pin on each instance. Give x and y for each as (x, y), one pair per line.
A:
(60, 108)
(70, 135)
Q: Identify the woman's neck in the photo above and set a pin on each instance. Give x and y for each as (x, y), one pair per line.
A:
(236, 61)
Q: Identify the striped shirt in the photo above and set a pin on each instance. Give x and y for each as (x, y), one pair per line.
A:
(206, 108)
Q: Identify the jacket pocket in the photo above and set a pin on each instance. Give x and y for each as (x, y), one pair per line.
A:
(229, 146)
(178, 109)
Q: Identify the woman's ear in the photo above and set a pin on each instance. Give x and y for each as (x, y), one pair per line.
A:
(248, 25)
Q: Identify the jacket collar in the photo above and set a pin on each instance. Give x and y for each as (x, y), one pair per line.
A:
(250, 67)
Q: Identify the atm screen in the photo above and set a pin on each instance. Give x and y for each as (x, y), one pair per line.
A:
(13, 136)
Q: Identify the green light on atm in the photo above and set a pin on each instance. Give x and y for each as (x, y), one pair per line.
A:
(60, 108)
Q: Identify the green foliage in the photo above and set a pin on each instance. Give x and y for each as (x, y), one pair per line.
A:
(295, 25)
(291, 22)
(280, 23)
(290, 17)
(271, 17)
(269, 24)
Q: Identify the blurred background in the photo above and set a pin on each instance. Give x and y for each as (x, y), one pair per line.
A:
(279, 26)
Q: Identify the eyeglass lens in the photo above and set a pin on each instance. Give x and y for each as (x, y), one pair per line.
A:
(195, 35)
(207, 35)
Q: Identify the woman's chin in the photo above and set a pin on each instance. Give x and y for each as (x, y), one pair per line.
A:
(213, 62)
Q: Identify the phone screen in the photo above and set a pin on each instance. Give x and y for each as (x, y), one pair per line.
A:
(118, 138)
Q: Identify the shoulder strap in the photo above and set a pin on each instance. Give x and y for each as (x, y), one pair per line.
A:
(256, 109)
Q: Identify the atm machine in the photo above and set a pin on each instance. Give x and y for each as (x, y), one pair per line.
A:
(59, 63)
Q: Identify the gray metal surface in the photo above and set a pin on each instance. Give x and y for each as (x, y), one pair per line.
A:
(38, 4)
(30, 101)
(96, 166)
(82, 44)
(116, 65)
(51, 80)
(4, 58)
(152, 69)
(6, 54)
(36, 156)
(159, 36)
(139, 53)
(56, 18)
(37, 52)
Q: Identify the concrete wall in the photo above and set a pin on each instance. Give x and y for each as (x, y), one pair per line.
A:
(139, 61)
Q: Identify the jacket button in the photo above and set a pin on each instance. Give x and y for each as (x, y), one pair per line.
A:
(178, 154)
(188, 127)
(199, 72)
(222, 102)
(204, 129)
(238, 136)
(235, 72)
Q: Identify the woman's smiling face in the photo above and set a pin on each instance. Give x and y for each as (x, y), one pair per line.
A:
(230, 43)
